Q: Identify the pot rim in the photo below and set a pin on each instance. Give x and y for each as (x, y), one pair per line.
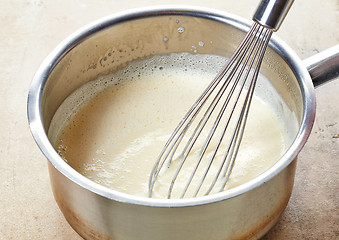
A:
(41, 76)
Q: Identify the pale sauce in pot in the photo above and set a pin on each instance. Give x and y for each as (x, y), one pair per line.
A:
(111, 130)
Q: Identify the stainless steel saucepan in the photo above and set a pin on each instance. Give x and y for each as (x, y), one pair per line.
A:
(244, 212)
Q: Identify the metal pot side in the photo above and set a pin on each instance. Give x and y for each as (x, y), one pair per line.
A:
(95, 212)
(246, 216)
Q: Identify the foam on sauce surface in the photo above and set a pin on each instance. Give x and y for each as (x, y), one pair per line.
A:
(112, 129)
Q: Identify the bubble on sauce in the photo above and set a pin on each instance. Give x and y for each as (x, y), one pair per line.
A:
(201, 43)
(165, 39)
(181, 29)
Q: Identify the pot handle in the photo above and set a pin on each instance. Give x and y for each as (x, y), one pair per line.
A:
(323, 66)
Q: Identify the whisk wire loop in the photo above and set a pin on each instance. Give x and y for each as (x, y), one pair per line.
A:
(215, 125)
(242, 66)
(235, 139)
(260, 52)
(194, 110)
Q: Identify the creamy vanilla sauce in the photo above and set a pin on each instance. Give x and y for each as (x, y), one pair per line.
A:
(111, 130)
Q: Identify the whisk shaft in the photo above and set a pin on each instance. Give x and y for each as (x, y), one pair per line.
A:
(241, 70)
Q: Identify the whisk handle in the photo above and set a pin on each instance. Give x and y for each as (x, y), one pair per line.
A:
(271, 13)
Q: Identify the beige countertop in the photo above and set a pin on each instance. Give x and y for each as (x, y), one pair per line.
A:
(30, 29)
